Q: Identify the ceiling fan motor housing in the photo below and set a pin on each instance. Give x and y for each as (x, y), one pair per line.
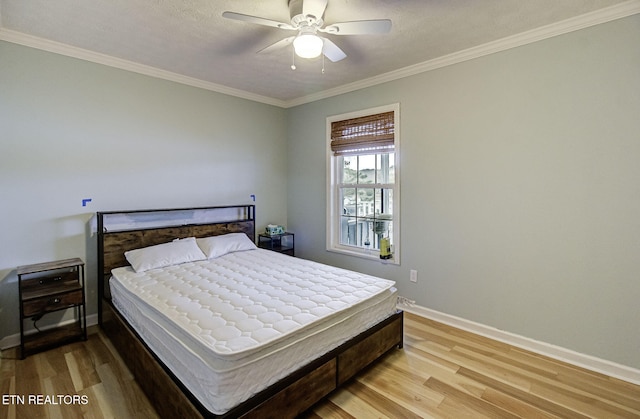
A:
(298, 18)
(306, 23)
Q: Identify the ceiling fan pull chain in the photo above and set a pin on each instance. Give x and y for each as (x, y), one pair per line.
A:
(293, 58)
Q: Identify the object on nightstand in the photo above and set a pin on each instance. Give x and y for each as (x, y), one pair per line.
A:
(273, 229)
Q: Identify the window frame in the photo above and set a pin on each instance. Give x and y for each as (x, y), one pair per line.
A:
(333, 178)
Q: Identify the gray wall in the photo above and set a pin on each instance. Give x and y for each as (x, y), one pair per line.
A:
(520, 189)
(72, 130)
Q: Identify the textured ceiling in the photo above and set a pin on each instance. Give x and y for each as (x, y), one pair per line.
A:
(190, 38)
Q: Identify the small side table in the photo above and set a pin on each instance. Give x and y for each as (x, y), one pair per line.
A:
(46, 288)
(281, 243)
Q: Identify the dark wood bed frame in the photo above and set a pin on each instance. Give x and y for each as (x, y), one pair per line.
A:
(287, 398)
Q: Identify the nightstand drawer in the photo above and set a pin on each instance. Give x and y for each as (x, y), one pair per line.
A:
(46, 280)
(51, 303)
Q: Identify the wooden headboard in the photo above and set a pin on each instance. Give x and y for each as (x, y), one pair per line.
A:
(121, 231)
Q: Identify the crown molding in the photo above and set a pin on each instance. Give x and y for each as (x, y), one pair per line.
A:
(95, 57)
(608, 14)
(619, 11)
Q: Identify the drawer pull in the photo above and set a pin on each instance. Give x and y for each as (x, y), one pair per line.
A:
(54, 301)
(57, 278)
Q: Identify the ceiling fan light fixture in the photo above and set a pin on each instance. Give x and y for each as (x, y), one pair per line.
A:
(308, 45)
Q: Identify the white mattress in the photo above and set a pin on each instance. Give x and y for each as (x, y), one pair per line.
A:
(230, 327)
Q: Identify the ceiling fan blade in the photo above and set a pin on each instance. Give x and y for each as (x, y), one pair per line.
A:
(332, 51)
(360, 27)
(278, 45)
(314, 8)
(257, 20)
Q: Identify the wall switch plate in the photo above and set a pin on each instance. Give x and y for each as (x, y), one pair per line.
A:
(413, 275)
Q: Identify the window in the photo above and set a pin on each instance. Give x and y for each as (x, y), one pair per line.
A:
(363, 182)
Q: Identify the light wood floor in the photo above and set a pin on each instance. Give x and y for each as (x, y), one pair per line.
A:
(441, 372)
(92, 369)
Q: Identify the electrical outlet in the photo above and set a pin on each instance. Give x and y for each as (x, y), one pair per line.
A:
(413, 275)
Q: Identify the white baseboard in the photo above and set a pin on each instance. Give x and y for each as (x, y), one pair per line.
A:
(589, 362)
(14, 340)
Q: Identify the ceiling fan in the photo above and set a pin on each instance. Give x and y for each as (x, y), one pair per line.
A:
(306, 19)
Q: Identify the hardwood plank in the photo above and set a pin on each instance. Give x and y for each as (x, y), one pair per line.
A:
(425, 354)
(74, 371)
(50, 365)
(474, 361)
(355, 406)
(398, 387)
(381, 402)
(326, 410)
(527, 397)
(101, 406)
(115, 392)
(59, 410)
(450, 408)
(463, 398)
(8, 387)
(512, 404)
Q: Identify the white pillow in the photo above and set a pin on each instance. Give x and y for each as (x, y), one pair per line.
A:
(166, 254)
(216, 246)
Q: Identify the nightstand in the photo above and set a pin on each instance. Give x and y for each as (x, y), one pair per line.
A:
(46, 288)
(282, 243)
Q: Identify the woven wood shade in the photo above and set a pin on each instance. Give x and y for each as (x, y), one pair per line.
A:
(371, 133)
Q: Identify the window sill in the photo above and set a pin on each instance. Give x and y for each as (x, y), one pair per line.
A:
(372, 255)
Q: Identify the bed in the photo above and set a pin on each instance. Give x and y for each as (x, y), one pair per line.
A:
(244, 332)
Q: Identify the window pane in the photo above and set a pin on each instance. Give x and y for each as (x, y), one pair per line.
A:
(348, 232)
(349, 169)
(384, 201)
(366, 168)
(365, 202)
(347, 219)
(348, 199)
(368, 240)
(384, 168)
(378, 209)
(383, 225)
